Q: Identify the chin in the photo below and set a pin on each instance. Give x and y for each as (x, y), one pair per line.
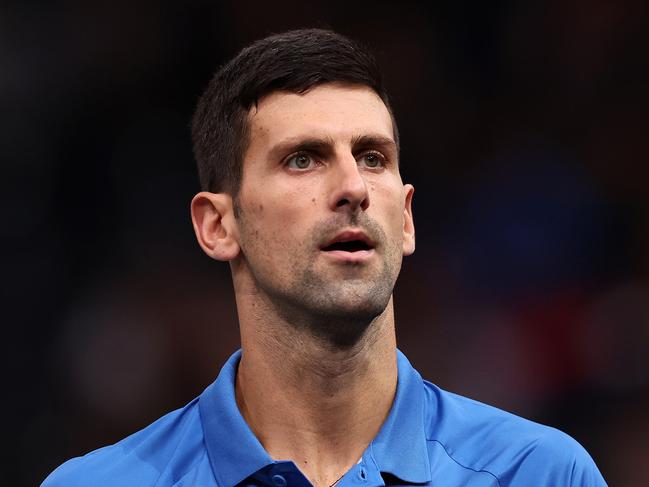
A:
(345, 322)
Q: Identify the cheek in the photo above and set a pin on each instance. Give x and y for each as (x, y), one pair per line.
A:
(388, 204)
(272, 220)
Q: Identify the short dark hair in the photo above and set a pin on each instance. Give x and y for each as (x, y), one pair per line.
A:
(293, 61)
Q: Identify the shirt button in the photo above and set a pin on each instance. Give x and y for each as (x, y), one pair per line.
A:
(362, 474)
(279, 480)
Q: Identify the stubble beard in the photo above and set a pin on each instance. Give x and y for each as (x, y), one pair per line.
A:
(336, 310)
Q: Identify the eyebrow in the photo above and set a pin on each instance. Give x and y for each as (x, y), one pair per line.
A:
(324, 144)
(297, 144)
(374, 141)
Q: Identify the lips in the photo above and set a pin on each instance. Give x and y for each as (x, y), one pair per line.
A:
(349, 241)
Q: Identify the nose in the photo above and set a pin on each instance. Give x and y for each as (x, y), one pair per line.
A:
(349, 186)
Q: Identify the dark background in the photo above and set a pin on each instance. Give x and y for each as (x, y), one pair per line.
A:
(524, 130)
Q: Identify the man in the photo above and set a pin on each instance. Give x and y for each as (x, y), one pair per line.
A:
(298, 155)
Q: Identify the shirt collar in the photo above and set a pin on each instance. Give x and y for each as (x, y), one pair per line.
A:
(235, 453)
(400, 448)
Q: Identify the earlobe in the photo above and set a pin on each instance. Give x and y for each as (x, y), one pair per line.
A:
(408, 222)
(215, 225)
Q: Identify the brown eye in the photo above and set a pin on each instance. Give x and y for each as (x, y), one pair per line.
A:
(300, 161)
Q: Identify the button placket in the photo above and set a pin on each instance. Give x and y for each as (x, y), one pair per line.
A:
(278, 480)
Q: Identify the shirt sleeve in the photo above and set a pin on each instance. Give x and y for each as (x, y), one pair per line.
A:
(553, 460)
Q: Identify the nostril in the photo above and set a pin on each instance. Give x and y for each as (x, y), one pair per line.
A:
(363, 204)
(342, 202)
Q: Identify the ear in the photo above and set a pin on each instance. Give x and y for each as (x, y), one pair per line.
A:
(408, 222)
(215, 226)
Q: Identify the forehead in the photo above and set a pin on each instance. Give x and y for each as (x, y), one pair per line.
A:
(336, 111)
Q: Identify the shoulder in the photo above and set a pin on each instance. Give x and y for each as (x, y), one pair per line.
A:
(164, 453)
(514, 450)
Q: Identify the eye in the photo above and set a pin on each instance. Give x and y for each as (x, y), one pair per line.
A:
(300, 161)
(372, 159)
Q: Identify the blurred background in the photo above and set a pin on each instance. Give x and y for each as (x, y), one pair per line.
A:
(524, 128)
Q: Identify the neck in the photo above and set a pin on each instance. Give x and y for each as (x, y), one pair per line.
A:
(311, 402)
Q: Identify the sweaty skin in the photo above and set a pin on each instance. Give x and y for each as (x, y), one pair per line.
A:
(318, 370)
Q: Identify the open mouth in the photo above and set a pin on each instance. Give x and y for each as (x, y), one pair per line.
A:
(349, 246)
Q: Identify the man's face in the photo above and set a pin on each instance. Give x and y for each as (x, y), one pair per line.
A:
(324, 218)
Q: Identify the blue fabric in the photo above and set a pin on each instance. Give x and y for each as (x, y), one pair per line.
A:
(431, 437)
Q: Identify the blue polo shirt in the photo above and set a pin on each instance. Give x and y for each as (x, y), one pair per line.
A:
(430, 438)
